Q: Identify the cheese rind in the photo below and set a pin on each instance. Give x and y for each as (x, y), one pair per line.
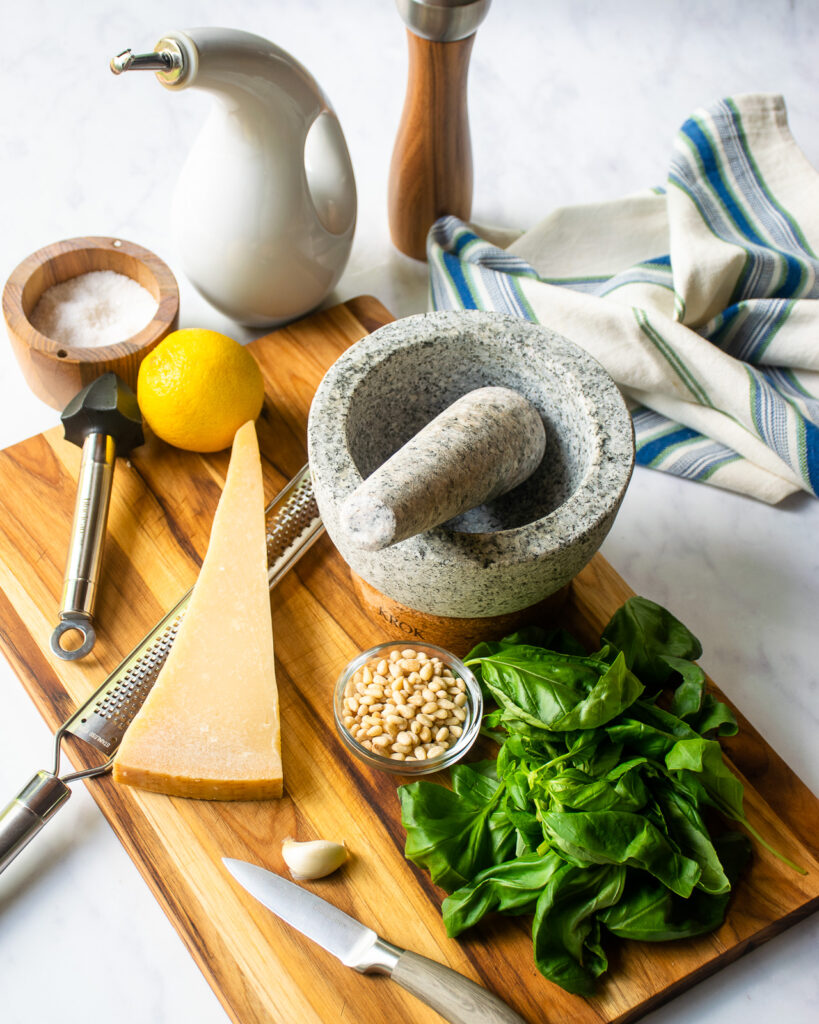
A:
(209, 728)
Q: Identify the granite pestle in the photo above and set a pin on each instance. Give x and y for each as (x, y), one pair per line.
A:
(484, 444)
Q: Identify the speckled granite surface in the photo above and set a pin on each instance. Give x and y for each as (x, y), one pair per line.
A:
(480, 447)
(511, 551)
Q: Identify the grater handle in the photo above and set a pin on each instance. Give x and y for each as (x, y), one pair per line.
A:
(23, 818)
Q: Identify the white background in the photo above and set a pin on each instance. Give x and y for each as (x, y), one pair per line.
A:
(569, 101)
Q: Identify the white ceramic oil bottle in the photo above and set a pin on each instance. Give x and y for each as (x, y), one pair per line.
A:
(265, 206)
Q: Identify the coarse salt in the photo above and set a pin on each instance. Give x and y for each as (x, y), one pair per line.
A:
(99, 308)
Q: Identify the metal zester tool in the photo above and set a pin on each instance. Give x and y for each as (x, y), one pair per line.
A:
(293, 524)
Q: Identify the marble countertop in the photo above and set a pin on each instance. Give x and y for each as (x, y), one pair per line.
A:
(569, 101)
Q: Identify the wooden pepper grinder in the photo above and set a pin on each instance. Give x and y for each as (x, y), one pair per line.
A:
(431, 169)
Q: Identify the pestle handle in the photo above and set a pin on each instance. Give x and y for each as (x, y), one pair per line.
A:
(431, 169)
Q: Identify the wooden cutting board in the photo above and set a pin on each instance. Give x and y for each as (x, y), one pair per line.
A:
(261, 970)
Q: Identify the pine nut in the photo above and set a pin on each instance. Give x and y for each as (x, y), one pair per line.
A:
(408, 653)
(440, 735)
(429, 708)
(425, 671)
(381, 667)
(459, 699)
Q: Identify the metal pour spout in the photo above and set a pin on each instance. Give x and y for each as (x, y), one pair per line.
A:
(166, 60)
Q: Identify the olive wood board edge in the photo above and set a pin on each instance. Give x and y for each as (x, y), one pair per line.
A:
(260, 969)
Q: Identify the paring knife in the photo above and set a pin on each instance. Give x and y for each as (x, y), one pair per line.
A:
(458, 999)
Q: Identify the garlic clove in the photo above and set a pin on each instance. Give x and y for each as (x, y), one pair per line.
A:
(314, 858)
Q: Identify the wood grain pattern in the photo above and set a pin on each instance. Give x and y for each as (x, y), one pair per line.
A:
(262, 971)
(56, 372)
(431, 168)
(457, 635)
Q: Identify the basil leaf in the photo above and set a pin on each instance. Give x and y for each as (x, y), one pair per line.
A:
(620, 837)
(511, 888)
(535, 685)
(688, 697)
(646, 633)
(701, 710)
(565, 934)
(705, 758)
(455, 833)
(687, 829)
(578, 791)
(715, 716)
(649, 912)
(559, 692)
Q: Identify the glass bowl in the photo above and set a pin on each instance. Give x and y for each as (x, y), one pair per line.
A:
(388, 705)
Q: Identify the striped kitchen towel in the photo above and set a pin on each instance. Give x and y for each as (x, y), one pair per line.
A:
(700, 299)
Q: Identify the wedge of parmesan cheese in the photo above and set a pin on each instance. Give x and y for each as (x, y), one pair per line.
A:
(209, 728)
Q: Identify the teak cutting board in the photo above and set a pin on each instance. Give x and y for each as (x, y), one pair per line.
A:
(162, 506)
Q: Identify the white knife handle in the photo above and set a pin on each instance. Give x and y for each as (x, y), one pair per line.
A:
(455, 997)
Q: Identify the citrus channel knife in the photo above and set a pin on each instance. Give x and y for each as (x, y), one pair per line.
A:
(458, 999)
(292, 521)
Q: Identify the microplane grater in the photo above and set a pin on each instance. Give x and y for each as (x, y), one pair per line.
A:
(292, 523)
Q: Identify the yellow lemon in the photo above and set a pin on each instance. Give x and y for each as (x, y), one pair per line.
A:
(197, 388)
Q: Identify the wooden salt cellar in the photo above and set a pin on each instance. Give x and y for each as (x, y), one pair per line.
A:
(55, 372)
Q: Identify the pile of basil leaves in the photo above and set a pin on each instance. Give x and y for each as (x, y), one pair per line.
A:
(592, 816)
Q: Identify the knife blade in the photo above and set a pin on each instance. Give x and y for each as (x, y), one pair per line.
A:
(458, 999)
